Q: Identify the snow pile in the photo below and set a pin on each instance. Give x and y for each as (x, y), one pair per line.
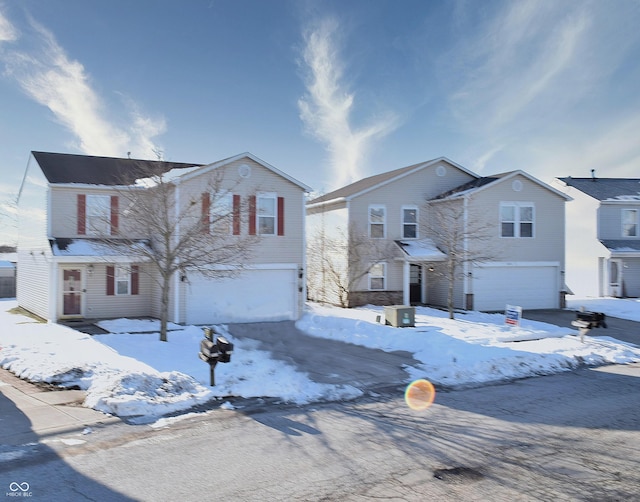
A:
(623, 308)
(129, 372)
(473, 348)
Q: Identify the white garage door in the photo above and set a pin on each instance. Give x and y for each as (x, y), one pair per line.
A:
(530, 286)
(253, 296)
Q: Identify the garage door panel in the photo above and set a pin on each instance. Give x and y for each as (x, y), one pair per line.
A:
(252, 296)
(532, 287)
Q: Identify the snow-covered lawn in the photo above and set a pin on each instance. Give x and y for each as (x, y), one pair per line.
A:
(130, 373)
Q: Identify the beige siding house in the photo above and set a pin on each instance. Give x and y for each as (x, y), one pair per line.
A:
(71, 205)
(397, 230)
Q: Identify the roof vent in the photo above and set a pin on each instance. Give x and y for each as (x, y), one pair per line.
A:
(593, 174)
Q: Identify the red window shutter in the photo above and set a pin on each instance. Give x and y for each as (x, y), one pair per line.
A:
(114, 214)
(206, 208)
(280, 215)
(135, 280)
(111, 280)
(236, 215)
(252, 215)
(82, 214)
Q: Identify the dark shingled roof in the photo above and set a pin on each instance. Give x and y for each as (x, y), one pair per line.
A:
(606, 188)
(477, 183)
(89, 170)
(622, 245)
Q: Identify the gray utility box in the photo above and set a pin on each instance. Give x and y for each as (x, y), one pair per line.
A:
(400, 316)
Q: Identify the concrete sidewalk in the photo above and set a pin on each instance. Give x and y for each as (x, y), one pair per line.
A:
(27, 409)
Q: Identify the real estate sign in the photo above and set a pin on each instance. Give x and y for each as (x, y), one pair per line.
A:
(512, 315)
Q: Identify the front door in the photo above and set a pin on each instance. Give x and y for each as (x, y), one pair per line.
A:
(72, 292)
(415, 284)
(615, 278)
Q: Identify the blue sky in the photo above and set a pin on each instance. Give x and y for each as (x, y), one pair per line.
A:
(327, 91)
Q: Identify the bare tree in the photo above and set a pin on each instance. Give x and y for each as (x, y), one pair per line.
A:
(200, 234)
(464, 238)
(339, 262)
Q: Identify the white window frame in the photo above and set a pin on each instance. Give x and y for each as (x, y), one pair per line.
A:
(383, 223)
(404, 223)
(374, 274)
(633, 224)
(98, 215)
(270, 196)
(122, 275)
(517, 221)
(221, 207)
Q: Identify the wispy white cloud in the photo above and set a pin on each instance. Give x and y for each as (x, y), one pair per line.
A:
(326, 110)
(53, 79)
(517, 59)
(8, 33)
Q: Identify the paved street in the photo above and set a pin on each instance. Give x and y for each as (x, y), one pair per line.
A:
(573, 436)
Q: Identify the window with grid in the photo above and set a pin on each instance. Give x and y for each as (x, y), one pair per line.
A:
(409, 222)
(377, 220)
(377, 277)
(630, 223)
(266, 213)
(516, 220)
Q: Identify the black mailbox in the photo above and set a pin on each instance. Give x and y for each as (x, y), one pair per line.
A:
(209, 349)
(225, 347)
(214, 349)
(590, 320)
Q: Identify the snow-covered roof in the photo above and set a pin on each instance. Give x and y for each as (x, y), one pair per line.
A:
(421, 250)
(607, 189)
(97, 247)
(10, 257)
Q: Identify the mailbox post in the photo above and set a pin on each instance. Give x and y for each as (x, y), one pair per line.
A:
(214, 349)
(585, 321)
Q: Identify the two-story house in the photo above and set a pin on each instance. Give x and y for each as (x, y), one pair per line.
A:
(80, 250)
(603, 235)
(504, 233)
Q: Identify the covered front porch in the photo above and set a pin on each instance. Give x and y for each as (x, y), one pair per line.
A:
(418, 258)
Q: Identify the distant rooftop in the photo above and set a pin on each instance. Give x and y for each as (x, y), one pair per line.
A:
(90, 170)
(610, 189)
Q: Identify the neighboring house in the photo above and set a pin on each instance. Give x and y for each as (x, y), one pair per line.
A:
(519, 249)
(67, 202)
(603, 236)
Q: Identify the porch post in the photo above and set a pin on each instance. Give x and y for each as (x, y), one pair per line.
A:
(406, 300)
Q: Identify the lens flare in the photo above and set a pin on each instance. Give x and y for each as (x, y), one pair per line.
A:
(420, 395)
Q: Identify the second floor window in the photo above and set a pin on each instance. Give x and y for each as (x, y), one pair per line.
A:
(409, 222)
(516, 219)
(630, 223)
(266, 206)
(377, 219)
(98, 214)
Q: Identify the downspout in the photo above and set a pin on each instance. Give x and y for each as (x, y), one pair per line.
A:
(176, 278)
(468, 279)
(302, 281)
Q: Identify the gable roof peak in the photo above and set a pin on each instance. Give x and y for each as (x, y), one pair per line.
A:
(364, 185)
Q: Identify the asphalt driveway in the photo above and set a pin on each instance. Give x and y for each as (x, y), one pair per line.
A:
(621, 329)
(328, 361)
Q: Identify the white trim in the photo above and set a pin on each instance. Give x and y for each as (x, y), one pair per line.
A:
(403, 223)
(636, 223)
(267, 195)
(384, 222)
(517, 222)
(60, 292)
(517, 264)
(383, 276)
(225, 162)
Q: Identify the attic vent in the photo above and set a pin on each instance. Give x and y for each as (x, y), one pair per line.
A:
(516, 185)
(244, 170)
(441, 170)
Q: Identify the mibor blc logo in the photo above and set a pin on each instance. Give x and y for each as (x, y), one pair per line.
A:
(19, 489)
